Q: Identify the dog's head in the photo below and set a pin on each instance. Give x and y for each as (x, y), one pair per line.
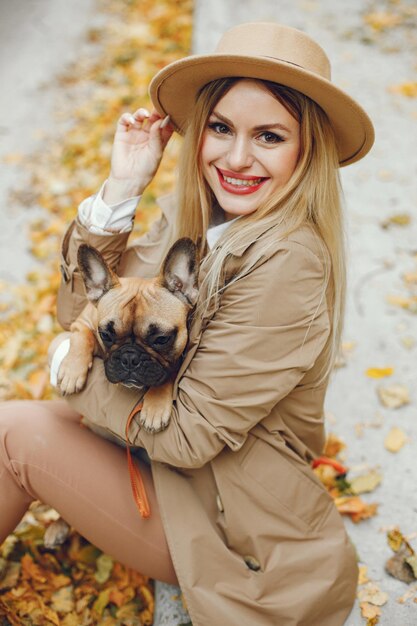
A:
(142, 323)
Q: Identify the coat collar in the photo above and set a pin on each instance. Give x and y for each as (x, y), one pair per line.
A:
(248, 255)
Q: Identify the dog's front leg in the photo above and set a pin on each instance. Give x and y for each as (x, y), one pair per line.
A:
(75, 366)
(157, 407)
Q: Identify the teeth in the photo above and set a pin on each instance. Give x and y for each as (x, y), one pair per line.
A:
(242, 183)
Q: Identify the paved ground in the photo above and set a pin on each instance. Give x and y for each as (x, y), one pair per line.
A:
(40, 37)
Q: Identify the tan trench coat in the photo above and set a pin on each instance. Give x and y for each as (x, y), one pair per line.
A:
(254, 537)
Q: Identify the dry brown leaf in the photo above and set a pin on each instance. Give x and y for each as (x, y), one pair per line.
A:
(355, 507)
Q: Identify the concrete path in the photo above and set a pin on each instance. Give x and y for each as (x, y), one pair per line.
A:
(38, 38)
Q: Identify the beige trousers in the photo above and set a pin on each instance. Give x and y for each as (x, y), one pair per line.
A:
(46, 455)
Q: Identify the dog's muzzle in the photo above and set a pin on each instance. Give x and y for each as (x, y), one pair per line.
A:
(131, 365)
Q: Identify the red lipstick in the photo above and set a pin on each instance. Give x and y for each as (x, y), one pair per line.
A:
(239, 188)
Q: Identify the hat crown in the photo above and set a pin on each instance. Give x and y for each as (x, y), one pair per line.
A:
(274, 41)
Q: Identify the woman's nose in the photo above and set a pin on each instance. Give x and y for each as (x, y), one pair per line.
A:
(240, 155)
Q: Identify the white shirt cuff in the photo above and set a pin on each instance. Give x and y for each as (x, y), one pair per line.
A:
(101, 219)
(58, 357)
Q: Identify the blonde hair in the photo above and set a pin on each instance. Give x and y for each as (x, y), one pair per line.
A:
(312, 195)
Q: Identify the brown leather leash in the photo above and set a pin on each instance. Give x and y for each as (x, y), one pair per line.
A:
(136, 481)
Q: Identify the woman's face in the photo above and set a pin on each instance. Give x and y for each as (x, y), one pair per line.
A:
(250, 148)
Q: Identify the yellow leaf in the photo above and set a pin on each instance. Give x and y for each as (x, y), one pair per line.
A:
(395, 539)
(371, 593)
(401, 219)
(365, 483)
(370, 612)
(379, 372)
(394, 396)
(104, 565)
(63, 600)
(407, 89)
(382, 20)
(101, 602)
(405, 303)
(395, 439)
(363, 574)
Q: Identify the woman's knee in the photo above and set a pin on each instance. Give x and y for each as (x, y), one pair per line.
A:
(28, 424)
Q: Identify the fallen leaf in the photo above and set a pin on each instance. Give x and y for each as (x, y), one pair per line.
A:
(365, 483)
(104, 565)
(394, 396)
(11, 575)
(363, 575)
(398, 568)
(379, 372)
(333, 446)
(407, 89)
(372, 593)
(395, 439)
(400, 219)
(412, 562)
(355, 507)
(63, 600)
(370, 612)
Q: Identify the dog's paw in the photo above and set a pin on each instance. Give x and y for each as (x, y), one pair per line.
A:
(72, 376)
(155, 418)
(56, 534)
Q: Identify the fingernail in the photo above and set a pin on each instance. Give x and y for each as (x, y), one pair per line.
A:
(132, 119)
(165, 121)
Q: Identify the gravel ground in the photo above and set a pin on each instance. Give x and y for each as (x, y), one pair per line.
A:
(366, 63)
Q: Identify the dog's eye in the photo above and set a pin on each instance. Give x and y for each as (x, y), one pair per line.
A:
(106, 337)
(161, 341)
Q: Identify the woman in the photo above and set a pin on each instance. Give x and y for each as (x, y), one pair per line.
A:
(238, 517)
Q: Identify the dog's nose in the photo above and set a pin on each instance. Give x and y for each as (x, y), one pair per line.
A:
(129, 358)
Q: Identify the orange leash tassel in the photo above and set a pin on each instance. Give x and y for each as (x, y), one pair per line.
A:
(138, 488)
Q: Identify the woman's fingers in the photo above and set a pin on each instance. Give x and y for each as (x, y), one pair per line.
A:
(159, 129)
(137, 119)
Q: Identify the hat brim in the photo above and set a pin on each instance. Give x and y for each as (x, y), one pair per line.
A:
(174, 89)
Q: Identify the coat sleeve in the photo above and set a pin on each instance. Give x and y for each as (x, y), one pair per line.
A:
(271, 326)
(141, 258)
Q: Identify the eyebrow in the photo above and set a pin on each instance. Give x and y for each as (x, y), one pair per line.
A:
(261, 127)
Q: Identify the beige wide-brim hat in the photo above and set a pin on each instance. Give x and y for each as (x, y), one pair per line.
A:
(267, 51)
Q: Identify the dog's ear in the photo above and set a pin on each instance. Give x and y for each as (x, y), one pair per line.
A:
(180, 271)
(97, 276)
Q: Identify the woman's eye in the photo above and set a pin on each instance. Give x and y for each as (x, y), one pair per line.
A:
(219, 128)
(269, 137)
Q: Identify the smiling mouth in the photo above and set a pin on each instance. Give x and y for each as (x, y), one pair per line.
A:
(240, 185)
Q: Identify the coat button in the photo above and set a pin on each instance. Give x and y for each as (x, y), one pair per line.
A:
(252, 563)
(219, 503)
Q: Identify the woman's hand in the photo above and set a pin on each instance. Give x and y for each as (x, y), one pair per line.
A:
(138, 147)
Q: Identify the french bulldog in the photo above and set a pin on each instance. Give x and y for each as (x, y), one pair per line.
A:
(139, 327)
